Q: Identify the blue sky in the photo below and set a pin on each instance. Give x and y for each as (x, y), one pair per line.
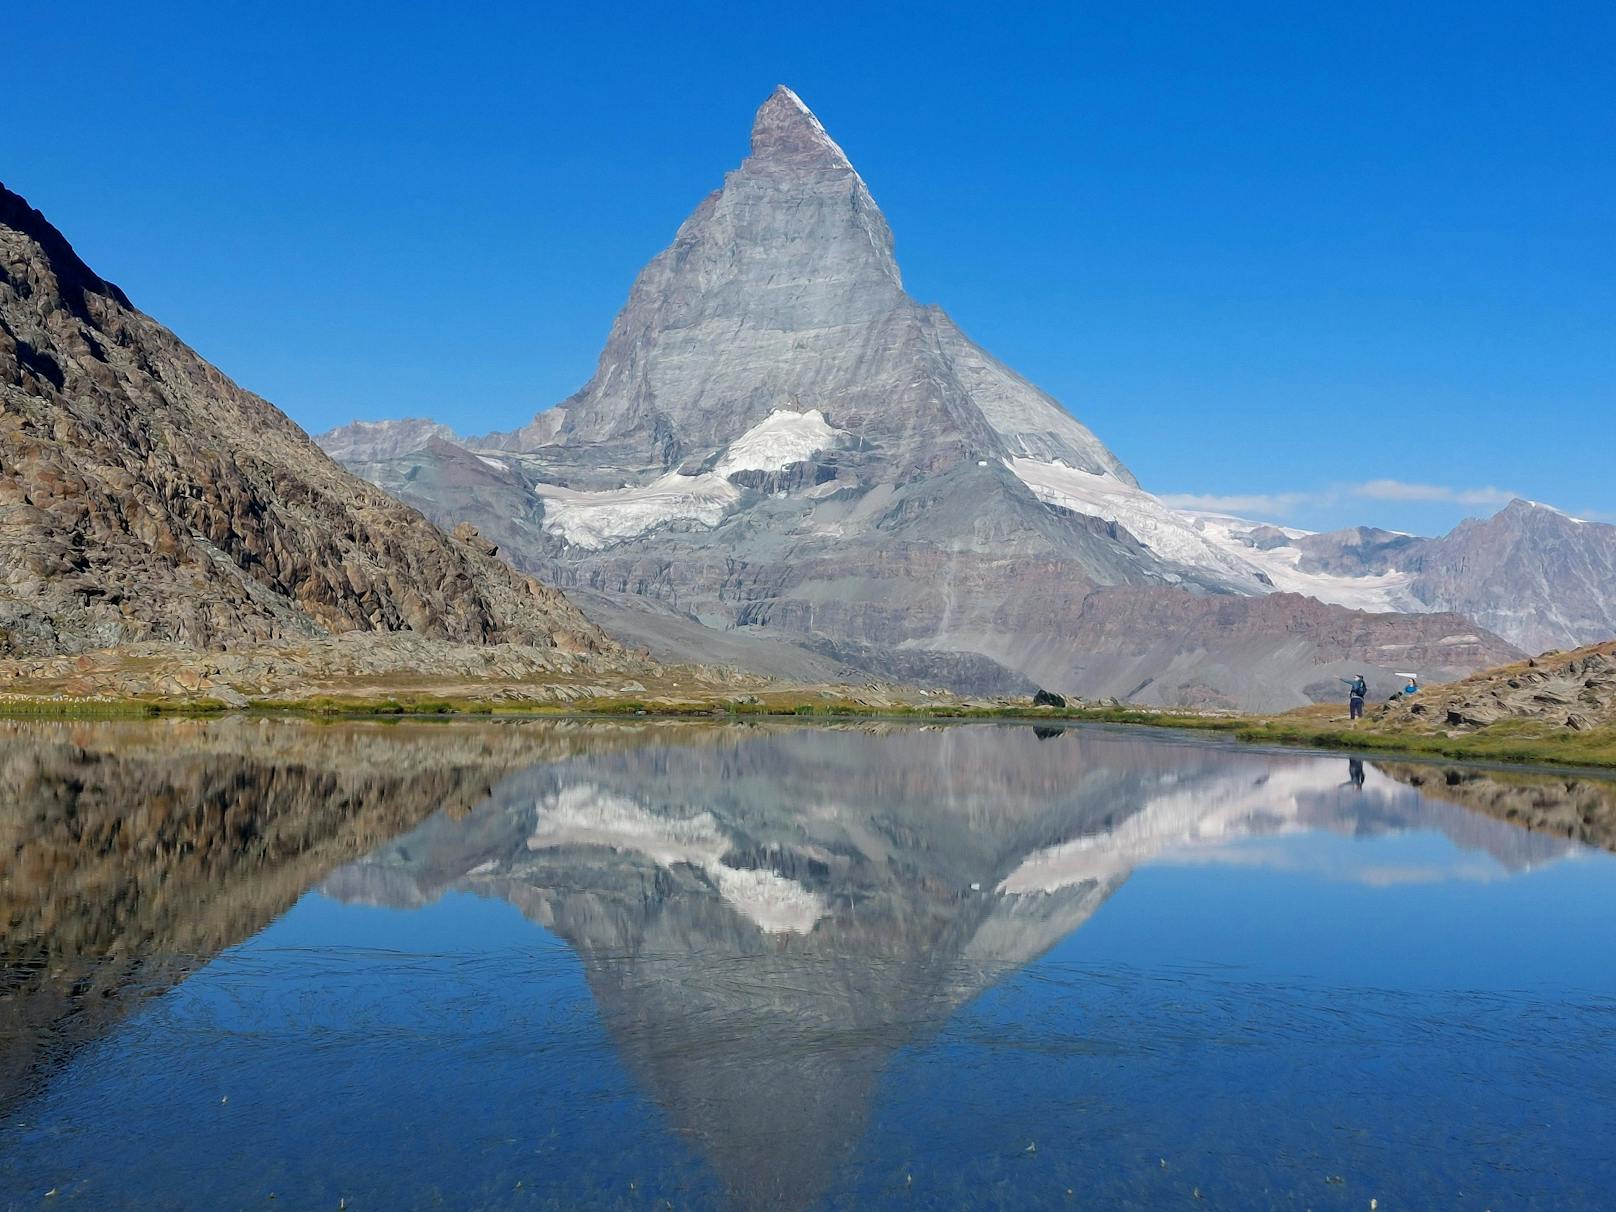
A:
(1332, 264)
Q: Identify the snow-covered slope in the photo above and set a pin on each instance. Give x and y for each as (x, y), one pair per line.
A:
(593, 520)
(1281, 564)
(1103, 495)
(779, 440)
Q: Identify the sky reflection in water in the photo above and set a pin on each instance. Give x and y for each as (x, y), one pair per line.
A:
(778, 967)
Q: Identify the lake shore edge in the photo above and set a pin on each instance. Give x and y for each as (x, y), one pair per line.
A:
(1509, 744)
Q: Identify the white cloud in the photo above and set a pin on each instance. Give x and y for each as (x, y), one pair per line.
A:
(1272, 505)
(1398, 490)
(1265, 504)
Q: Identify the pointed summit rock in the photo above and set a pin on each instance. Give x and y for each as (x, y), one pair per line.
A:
(781, 292)
(779, 438)
(786, 135)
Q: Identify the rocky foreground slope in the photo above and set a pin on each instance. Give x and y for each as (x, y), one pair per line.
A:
(146, 497)
(1555, 709)
(1574, 690)
(780, 440)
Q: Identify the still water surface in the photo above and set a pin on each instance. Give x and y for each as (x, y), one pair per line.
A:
(257, 964)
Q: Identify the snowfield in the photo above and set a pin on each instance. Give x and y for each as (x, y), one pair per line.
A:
(1387, 592)
(779, 440)
(1211, 542)
(594, 520)
(1206, 820)
(1170, 535)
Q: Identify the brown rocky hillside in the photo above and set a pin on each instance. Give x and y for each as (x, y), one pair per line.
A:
(146, 497)
(1575, 690)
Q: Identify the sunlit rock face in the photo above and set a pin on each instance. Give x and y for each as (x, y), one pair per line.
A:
(766, 916)
(146, 497)
(778, 438)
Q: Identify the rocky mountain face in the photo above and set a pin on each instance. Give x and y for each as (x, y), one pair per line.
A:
(144, 496)
(1532, 574)
(778, 439)
(383, 439)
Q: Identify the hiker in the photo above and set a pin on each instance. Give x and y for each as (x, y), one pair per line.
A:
(1413, 686)
(1358, 691)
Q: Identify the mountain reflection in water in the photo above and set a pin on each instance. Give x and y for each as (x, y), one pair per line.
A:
(765, 915)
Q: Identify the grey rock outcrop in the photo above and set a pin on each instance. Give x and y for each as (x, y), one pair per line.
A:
(1530, 573)
(382, 439)
(1575, 689)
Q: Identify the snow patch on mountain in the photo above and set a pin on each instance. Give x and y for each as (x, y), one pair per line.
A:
(1170, 535)
(779, 440)
(1387, 591)
(593, 520)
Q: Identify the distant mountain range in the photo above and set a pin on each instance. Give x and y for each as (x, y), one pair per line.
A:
(779, 443)
(1536, 576)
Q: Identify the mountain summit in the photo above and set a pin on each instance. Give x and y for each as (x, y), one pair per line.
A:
(779, 439)
(781, 295)
(786, 132)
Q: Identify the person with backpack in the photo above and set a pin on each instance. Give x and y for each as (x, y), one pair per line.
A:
(1357, 692)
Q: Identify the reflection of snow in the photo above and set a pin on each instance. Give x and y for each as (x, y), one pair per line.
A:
(585, 815)
(776, 904)
(779, 440)
(1330, 863)
(1192, 815)
(596, 519)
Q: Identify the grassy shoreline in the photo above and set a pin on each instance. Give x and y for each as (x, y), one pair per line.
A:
(433, 707)
(1508, 743)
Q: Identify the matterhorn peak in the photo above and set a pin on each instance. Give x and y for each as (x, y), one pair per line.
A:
(786, 131)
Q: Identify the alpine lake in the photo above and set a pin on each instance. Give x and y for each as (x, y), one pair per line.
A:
(269, 963)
